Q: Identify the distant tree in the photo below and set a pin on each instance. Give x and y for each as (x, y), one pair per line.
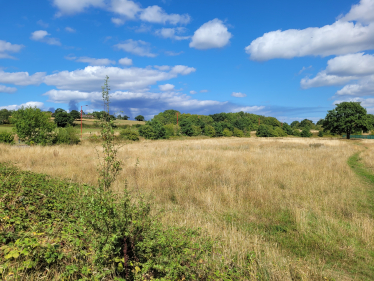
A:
(33, 126)
(59, 110)
(295, 124)
(4, 115)
(75, 114)
(287, 129)
(63, 119)
(347, 117)
(305, 133)
(320, 122)
(139, 118)
(306, 123)
(125, 117)
(264, 131)
(320, 134)
(186, 127)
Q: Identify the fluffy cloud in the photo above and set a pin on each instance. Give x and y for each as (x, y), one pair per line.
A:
(93, 61)
(166, 87)
(117, 21)
(364, 87)
(339, 38)
(213, 34)
(139, 48)
(7, 90)
(65, 96)
(21, 78)
(27, 104)
(238, 95)
(193, 92)
(41, 36)
(156, 14)
(172, 33)
(324, 79)
(6, 47)
(126, 8)
(125, 61)
(70, 7)
(91, 77)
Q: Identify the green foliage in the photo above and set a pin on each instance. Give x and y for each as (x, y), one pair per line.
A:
(320, 122)
(320, 133)
(4, 116)
(130, 134)
(296, 133)
(169, 130)
(305, 133)
(209, 131)
(63, 119)
(67, 135)
(147, 132)
(238, 133)
(196, 130)
(139, 118)
(167, 117)
(6, 137)
(264, 131)
(75, 114)
(186, 127)
(278, 132)
(306, 123)
(295, 124)
(271, 121)
(158, 128)
(227, 133)
(287, 129)
(33, 125)
(347, 117)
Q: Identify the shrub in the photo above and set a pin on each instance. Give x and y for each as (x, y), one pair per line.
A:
(94, 138)
(7, 137)
(130, 134)
(305, 133)
(63, 119)
(67, 135)
(169, 130)
(227, 133)
(196, 130)
(320, 134)
(238, 133)
(264, 131)
(147, 132)
(278, 132)
(209, 131)
(296, 133)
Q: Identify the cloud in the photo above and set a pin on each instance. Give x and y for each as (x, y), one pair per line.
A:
(117, 21)
(7, 90)
(204, 91)
(156, 14)
(139, 48)
(213, 34)
(42, 23)
(91, 78)
(6, 47)
(69, 29)
(364, 87)
(21, 78)
(65, 96)
(70, 7)
(27, 104)
(304, 68)
(193, 92)
(173, 54)
(126, 8)
(125, 61)
(362, 12)
(93, 61)
(41, 36)
(172, 33)
(324, 79)
(166, 87)
(238, 95)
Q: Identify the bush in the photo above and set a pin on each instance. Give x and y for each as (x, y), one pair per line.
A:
(130, 134)
(196, 130)
(169, 130)
(320, 134)
(296, 133)
(278, 132)
(94, 138)
(63, 119)
(147, 132)
(305, 133)
(209, 131)
(227, 133)
(238, 133)
(67, 135)
(264, 131)
(7, 137)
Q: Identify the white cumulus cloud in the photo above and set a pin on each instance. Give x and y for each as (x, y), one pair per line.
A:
(27, 104)
(7, 90)
(340, 38)
(69, 29)
(155, 14)
(126, 8)
(21, 78)
(193, 92)
(70, 7)
(213, 34)
(93, 61)
(238, 95)
(6, 47)
(125, 61)
(166, 87)
(136, 47)
(41, 36)
(172, 33)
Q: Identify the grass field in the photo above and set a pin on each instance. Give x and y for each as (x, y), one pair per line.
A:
(6, 129)
(292, 204)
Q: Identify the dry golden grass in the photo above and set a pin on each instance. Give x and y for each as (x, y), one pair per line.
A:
(240, 190)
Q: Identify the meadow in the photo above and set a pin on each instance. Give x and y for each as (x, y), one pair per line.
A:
(293, 206)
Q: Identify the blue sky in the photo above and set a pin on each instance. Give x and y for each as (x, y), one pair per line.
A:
(287, 59)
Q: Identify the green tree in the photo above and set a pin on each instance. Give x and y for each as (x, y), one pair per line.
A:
(139, 118)
(75, 114)
(4, 115)
(33, 126)
(305, 133)
(287, 128)
(63, 119)
(295, 124)
(347, 117)
(264, 131)
(320, 134)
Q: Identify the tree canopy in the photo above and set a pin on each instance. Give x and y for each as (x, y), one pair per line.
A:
(347, 117)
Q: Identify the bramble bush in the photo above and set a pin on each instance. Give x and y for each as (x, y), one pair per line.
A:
(130, 134)
(67, 135)
(7, 137)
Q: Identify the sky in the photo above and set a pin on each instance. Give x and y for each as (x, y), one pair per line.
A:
(287, 59)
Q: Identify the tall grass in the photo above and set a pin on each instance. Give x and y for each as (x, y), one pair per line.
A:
(298, 209)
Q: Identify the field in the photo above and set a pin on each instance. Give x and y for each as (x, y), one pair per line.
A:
(293, 205)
